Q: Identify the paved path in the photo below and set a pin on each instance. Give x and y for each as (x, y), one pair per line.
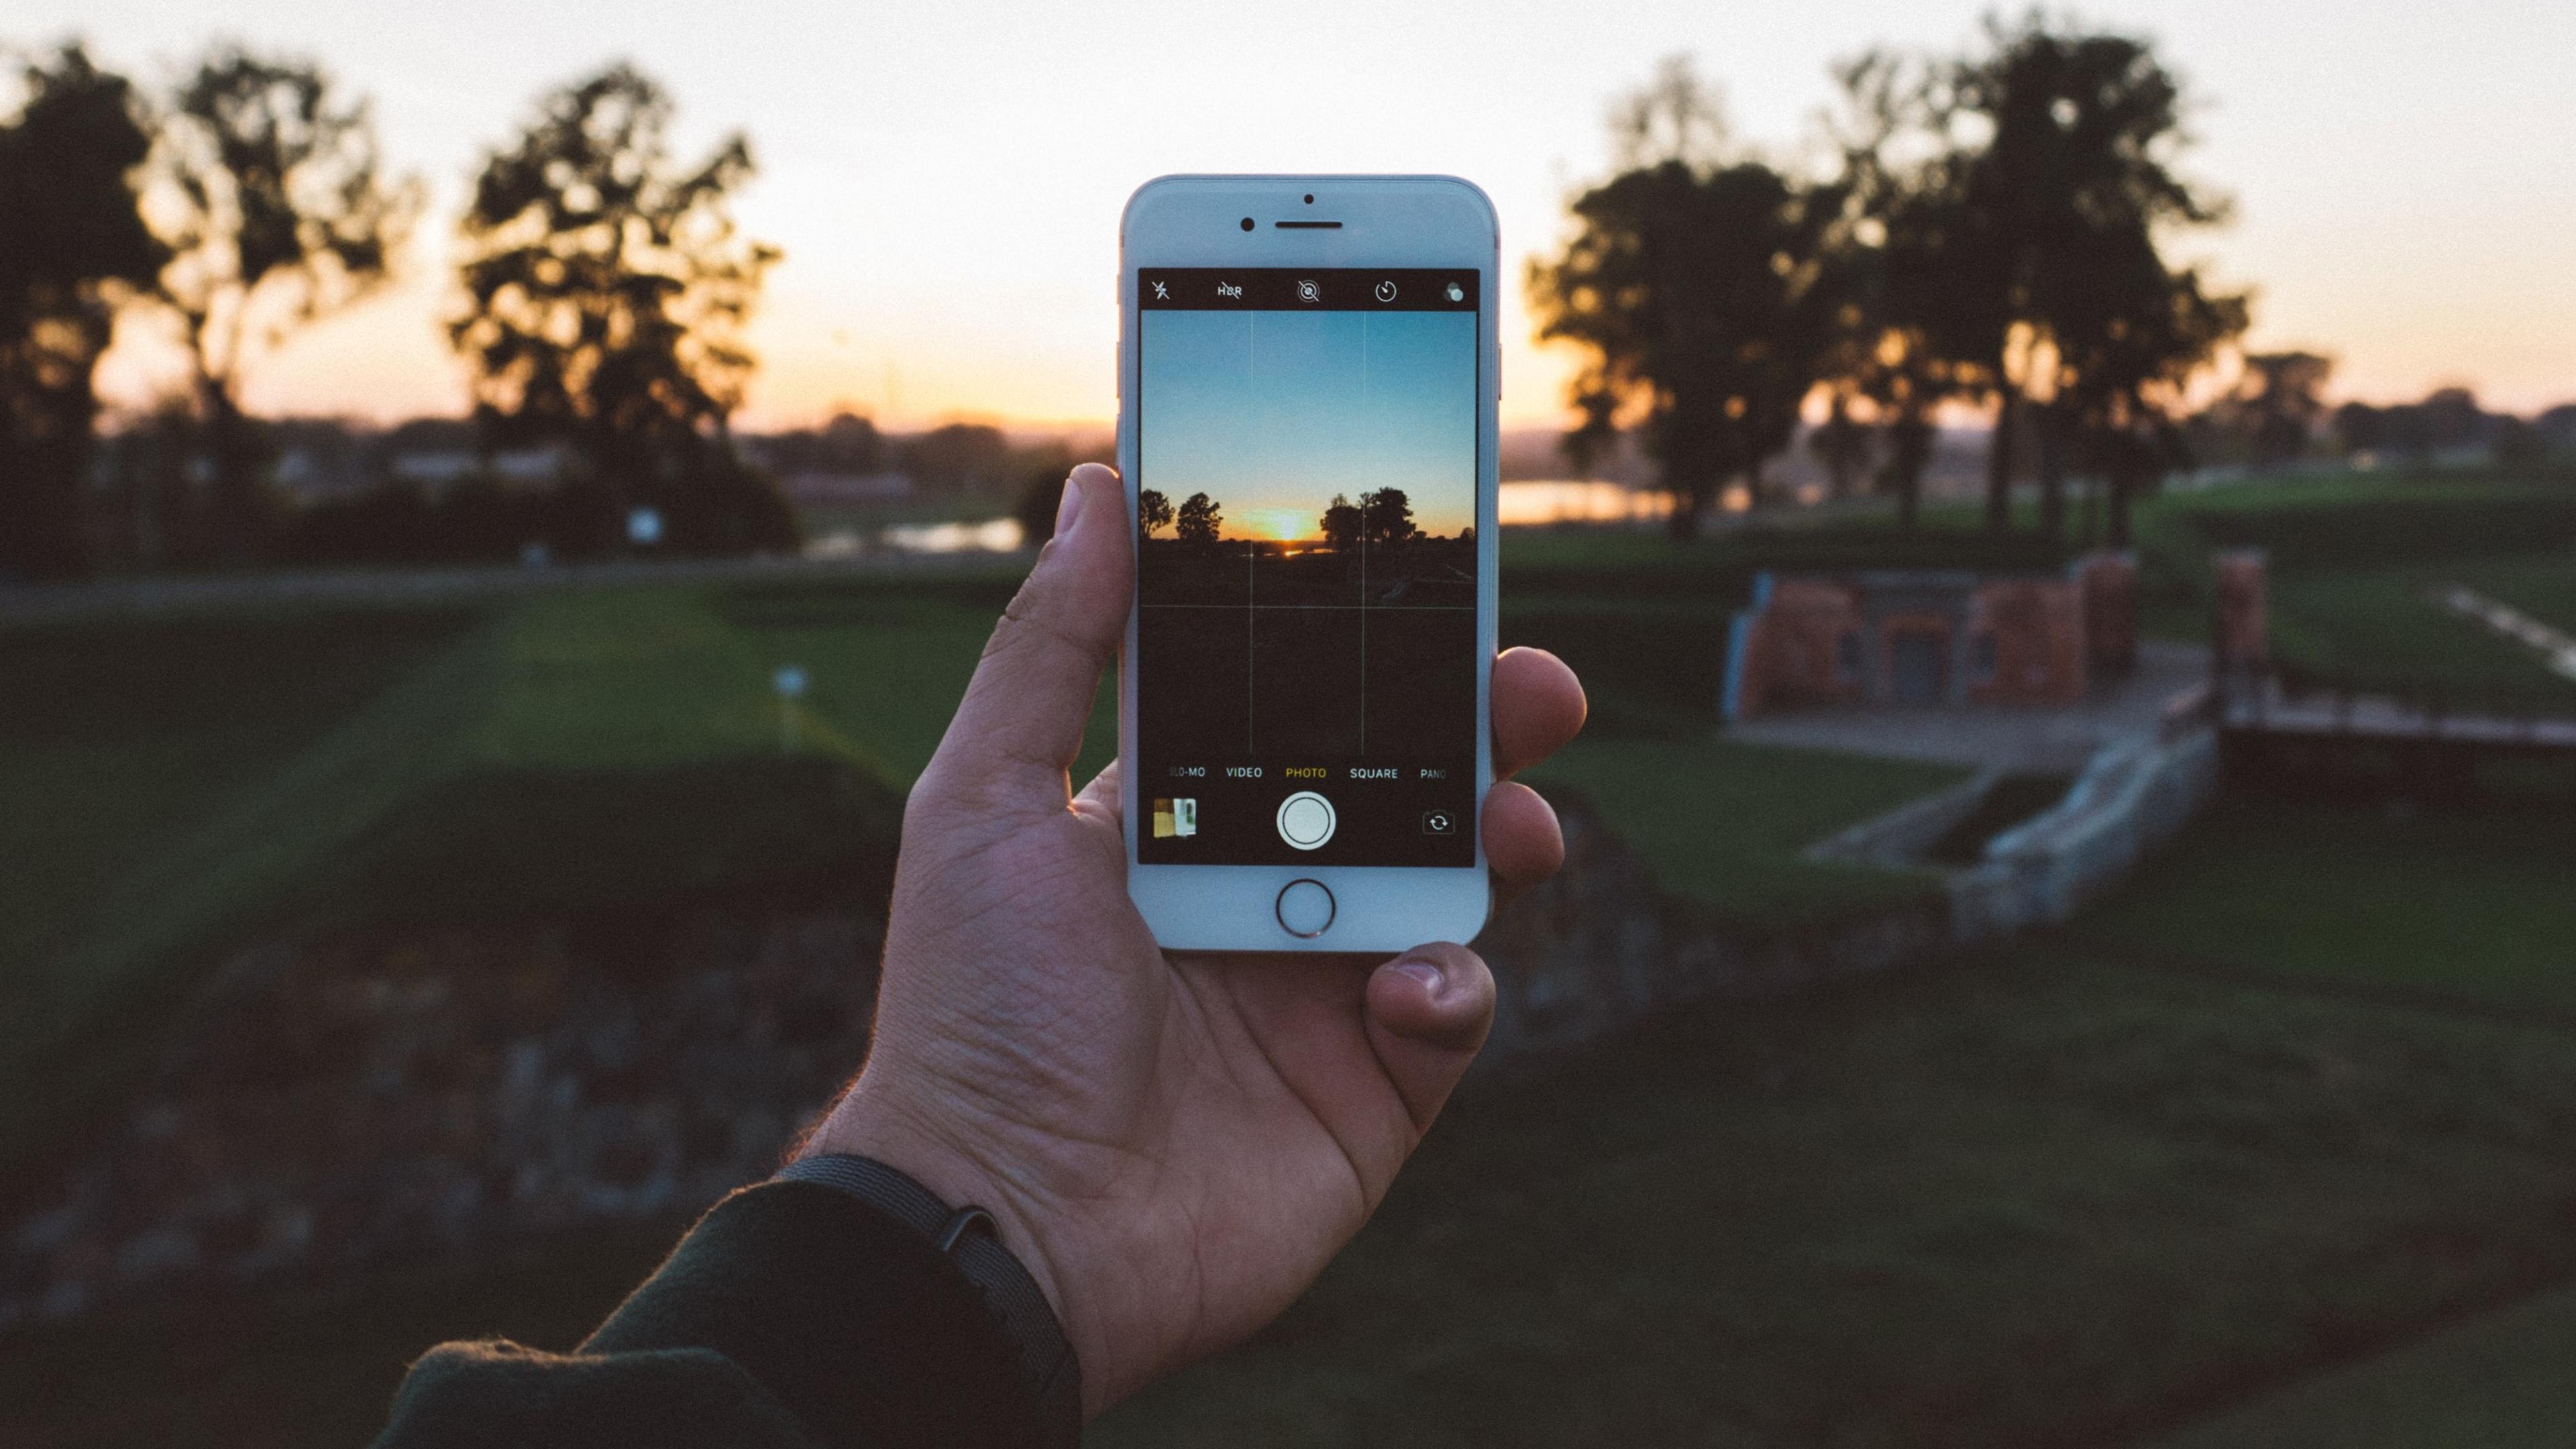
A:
(2018, 739)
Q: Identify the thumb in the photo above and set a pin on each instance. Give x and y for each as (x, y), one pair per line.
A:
(1020, 725)
(1428, 1012)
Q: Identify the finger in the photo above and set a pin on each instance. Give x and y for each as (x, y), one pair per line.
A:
(1101, 796)
(1538, 708)
(1428, 1011)
(1523, 844)
(1020, 725)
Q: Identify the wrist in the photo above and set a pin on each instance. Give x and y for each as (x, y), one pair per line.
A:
(867, 1124)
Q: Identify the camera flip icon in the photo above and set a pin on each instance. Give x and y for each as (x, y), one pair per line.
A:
(1439, 822)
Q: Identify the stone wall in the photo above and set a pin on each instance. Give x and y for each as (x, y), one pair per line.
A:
(2132, 797)
(334, 1107)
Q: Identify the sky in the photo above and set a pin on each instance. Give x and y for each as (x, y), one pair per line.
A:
(945, 179)
(1272, 413)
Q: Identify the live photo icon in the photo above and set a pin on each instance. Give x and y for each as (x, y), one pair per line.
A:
(1175, 818)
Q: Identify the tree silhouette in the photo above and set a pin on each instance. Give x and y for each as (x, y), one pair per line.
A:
(1342, 525)
(1841, 444)
(72, 247)
(958, 457)
(2057, 173)
(278, 211)
(1387, 518)
(1901, 328)
(2129, 353)
(607, 289)
(1699, 290)
(2280, 402)
(1153, 512)
(1198, 521)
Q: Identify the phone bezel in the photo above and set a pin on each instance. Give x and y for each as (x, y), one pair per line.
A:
(1387, 221)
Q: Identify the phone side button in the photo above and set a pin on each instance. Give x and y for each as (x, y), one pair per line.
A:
(1305, 909)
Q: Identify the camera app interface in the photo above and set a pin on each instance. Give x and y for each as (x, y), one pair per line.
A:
(1306, 567)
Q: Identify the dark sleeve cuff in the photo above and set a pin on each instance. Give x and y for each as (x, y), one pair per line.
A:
(863, 1329)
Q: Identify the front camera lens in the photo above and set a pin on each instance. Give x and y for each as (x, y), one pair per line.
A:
(1247, 223)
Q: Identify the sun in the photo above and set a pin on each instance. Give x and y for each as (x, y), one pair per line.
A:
(1278, 524)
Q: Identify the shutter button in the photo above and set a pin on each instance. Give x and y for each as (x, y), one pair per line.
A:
(1306, 820)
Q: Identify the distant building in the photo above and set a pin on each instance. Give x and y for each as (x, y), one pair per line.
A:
(435, 469)
(814, 485)
(1931, 637)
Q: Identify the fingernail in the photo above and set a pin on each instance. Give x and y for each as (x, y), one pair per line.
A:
(1068, 508)
(1423, 971)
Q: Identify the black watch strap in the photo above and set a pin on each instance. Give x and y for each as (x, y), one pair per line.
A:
(967, 1235)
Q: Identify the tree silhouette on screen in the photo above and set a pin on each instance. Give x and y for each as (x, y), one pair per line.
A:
(1198, 521)
(278, 210)
(72, 247)
(1153, 512)
(1342, 525)
(1388, 516)
(607, 288)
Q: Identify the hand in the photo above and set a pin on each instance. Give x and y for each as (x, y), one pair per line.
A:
(1174, 1145)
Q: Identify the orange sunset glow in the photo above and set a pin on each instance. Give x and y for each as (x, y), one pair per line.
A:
(948, 205)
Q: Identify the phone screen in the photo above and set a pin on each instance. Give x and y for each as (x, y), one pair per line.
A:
(1306, 578)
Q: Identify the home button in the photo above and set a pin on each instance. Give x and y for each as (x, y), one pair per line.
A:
(1305, 909)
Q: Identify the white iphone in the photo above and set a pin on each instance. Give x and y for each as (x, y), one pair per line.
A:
(1308, 369)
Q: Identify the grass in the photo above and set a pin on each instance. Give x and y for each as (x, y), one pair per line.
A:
(1722, 824)
(2055, 1197)
(2455, 907)
(113, 736)
(2351, 558)
(2039, 1200)
(2034, 1199)
(170, 785)
(2498, 1381)
(2379, 628)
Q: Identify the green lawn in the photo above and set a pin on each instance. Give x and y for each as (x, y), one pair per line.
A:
(2027, 1200)
(1722, 824)
(2351, 559)
(168, 785)
(2379, 627)
(2477, 908)
(2038, 1200)
(2303, 1089)
(114, 736)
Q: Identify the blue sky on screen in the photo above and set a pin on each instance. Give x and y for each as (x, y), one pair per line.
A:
(1272, 413)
